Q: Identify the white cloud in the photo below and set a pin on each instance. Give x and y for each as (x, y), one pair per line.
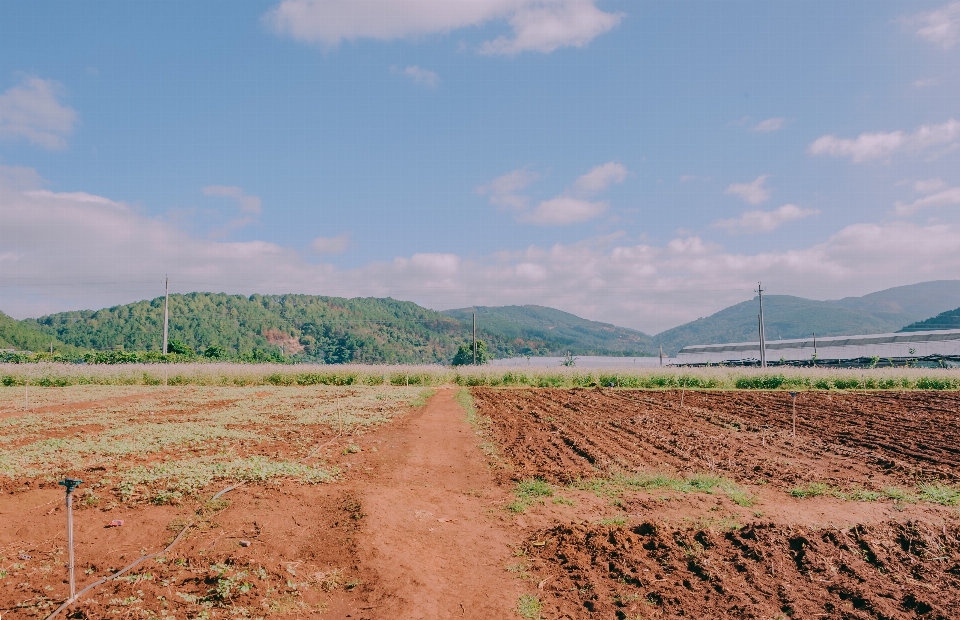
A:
(76, 250)
(538, 25)
(247, 203)
(926, 82)
(250, 207)
(945, 198)
(504, 191)
(688, 177)
(940, 27)
(881, 145)
(418, 75)
(753, 192)
(331, 245)
(547, 25)
(32, 111)
(571, 207)
(600, 178)
(764, 221)
(769, 125)
(927, 186)
(564, 210)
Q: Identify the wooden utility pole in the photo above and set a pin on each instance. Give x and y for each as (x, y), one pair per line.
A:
(474, 338)
(763, 348)
(661, 356)
(166, 313)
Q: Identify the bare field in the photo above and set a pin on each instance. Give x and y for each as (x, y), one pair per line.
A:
(154, 457)
(383, 501)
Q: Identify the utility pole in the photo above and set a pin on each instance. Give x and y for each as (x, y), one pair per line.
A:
(661, 356)
(70, 484)
(474, 338)
(166, 313)
(814, 348)
(763, 346)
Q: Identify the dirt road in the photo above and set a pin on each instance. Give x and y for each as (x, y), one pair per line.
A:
(431, 532)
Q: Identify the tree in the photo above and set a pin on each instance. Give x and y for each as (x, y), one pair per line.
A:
(215, 352)
(180, 348)
(464, 356)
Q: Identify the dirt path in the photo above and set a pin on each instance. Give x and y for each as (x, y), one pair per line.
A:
(432, 541)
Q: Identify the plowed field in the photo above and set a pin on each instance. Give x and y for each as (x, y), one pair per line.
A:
(851, 440)
(888, 570)
(852, 517)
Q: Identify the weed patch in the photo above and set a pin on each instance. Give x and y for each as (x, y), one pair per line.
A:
(529, 606)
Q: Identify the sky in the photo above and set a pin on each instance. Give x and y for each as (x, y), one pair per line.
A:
(638, 163)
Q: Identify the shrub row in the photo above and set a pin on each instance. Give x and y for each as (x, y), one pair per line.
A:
(59, 375)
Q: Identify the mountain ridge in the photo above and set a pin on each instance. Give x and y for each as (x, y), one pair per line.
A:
(383, 330)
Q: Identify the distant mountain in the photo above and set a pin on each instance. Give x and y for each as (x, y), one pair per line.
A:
(537, 330)
(945, 320)
(786, 316)
(917, 301)
(334, 330)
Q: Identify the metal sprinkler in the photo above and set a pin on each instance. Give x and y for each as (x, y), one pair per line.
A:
(70, 484)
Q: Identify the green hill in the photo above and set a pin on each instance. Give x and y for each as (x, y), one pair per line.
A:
(323, 329)
(537, 330)
(22, 336)
(333, 329)
(945, 320)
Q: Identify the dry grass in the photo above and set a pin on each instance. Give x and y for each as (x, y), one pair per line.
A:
(215, 374)
(171, 443)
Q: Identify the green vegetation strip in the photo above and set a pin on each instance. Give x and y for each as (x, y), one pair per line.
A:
(617, 484)
(228, 374)
(933, 492)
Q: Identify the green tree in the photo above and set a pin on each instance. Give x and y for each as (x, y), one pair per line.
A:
(180, 348)
(215, 352)
(464, 356)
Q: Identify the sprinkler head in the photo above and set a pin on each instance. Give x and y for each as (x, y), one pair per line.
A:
(70, 484)
(793, 394)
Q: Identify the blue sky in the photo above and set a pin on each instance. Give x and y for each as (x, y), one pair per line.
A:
(643, 163)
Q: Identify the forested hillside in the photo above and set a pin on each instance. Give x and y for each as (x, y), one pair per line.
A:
(323, 329)
(22, 336)
(945, 320)
(537, 330)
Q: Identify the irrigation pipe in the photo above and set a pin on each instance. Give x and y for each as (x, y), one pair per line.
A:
(121, 571)
(227, 490)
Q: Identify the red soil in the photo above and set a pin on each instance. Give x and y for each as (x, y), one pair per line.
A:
(863, 441)
(410, 530)
(684, 555)
(416, 526)
(888, 570)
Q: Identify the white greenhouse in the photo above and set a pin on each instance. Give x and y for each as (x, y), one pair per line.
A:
(915, 348)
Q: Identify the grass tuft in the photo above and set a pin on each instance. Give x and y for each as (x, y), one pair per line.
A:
(527, 492)
(529, 606)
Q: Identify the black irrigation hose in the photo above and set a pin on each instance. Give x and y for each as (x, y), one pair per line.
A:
(123, 570)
